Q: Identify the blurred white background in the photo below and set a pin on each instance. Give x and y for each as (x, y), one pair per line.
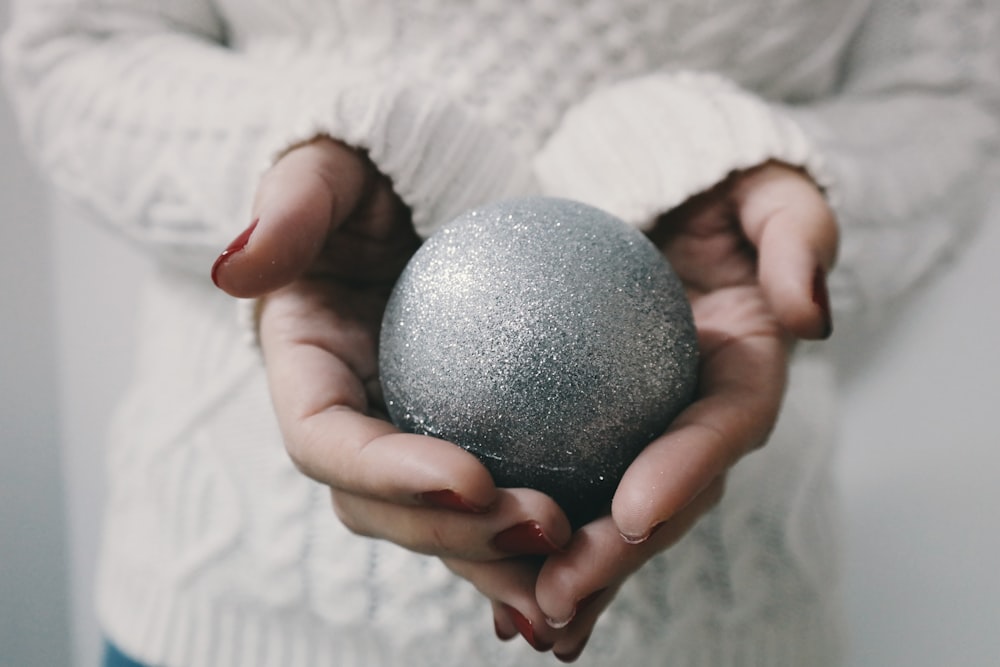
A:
(919, 465)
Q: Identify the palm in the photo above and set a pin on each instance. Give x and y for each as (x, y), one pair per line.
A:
(706, 245)
(738, 331)
(744, 348)
(335, 308)
(748, 252)
(331, 242)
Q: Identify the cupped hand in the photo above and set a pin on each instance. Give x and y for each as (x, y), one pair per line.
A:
(329, 241)
(753, 253)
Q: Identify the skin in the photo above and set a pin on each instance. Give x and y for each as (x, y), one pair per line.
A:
(331, 239)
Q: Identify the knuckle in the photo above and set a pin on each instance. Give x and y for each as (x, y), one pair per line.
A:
(436, 540)
(558, 590)
(304, 450)
(294, 449)
(343, 509)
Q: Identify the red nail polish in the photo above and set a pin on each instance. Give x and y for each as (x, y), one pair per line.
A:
(524, 539)
(238, 244)
(449, 500)
(526, 628)
(821, 297)
(575, 653)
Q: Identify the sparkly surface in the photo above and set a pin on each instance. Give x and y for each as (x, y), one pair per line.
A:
(548, 338)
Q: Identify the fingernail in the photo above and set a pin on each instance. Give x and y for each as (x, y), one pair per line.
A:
(639, 539)
(238, 244)
(575, 653)
(560, 624)
(821, 297)
(450, 500)
(581, 604)
(524, 539)
(527, 629)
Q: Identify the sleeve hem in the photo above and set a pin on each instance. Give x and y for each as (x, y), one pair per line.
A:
(645, 145)
(440, 158)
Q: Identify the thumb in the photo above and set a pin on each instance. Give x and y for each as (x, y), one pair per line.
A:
(787, 218)
(307, 194)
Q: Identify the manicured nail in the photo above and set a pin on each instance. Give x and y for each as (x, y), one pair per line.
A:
(556, 624)
(639, 539)
(821, 297)
(524, 539)
(238, 244)
(559, 624)
(581, 604)
(526, 628)
(575, 653)
(449, 500)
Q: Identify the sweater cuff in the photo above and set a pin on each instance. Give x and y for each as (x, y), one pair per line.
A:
(645, 145)
(441, 159)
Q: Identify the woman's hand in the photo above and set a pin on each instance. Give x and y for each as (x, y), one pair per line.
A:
(753, 253)
(331, 238)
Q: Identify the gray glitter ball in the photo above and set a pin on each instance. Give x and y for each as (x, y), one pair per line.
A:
(548, 338)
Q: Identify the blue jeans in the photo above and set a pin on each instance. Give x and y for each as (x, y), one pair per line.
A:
(115, 658)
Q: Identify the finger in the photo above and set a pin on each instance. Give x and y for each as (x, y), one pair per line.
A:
(308, 192)
(522, 522)
(503, 624)
(787, 218)
(510, 585)
(319, 360)
(568, 652)
(695, 235)
(741, 386)
(367, 456)
(372, 247)
(575, 585)
(573, 637)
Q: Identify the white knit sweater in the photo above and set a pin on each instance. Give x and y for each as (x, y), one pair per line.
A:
(160, 115)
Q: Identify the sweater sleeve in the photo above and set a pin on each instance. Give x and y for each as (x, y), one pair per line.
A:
(904, 147)
(143, 113)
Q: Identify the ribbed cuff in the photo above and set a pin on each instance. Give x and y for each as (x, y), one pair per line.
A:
(442, 160)
(642, 146)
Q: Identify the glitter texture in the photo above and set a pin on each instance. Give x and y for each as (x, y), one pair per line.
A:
(548, 338)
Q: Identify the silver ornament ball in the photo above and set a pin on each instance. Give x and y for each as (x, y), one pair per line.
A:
(548, 338)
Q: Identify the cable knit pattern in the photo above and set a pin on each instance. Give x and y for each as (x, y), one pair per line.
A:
(159, 117)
